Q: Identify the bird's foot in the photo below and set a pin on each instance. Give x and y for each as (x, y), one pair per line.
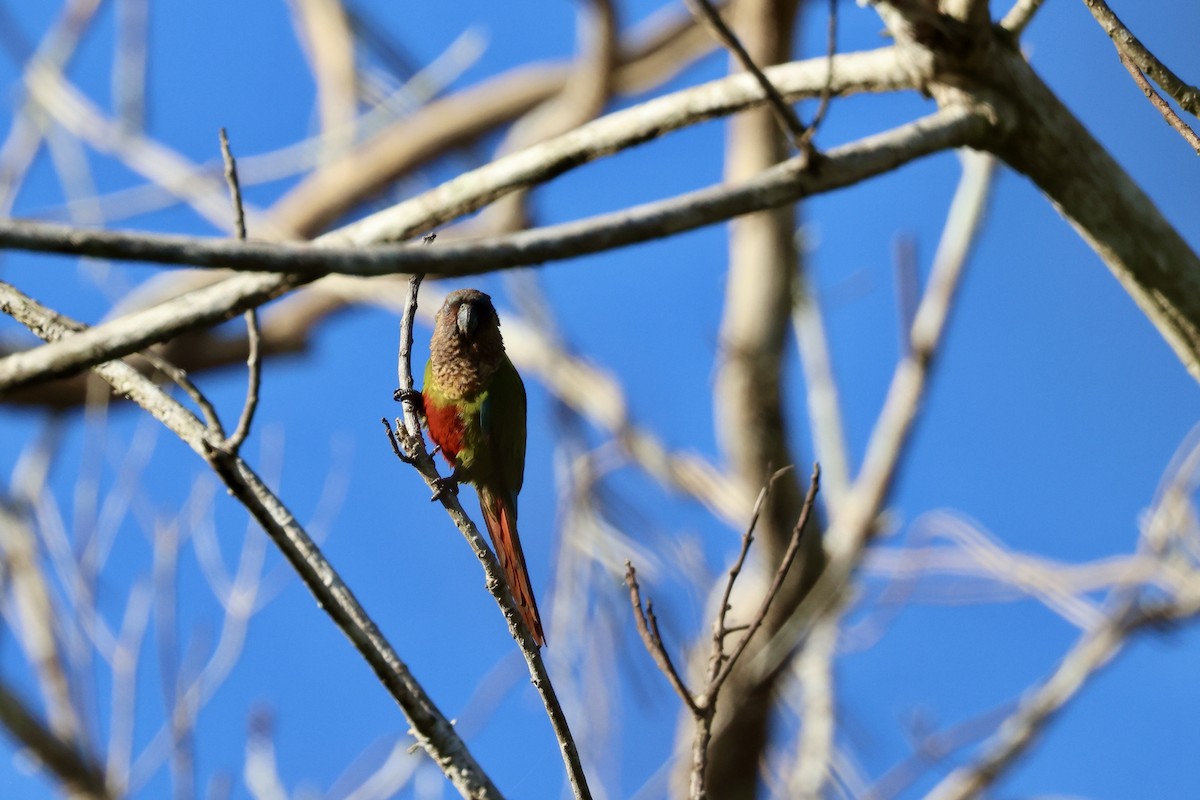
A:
(410, 396)
(443, 485)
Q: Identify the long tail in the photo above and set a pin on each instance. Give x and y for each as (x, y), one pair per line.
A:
(501, 520)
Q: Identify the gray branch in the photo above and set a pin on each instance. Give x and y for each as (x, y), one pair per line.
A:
(75, 769)
(782, 184)
(430, 727)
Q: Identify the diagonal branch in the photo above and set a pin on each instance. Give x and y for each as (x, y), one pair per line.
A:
(1130, 47)
(782, 184)
(703, 706)
(409, 445)
(1162, 105)
(647, 626)
(789, 123)
(253, 331)
(76, 770)
(432, 730)
(1094, 650)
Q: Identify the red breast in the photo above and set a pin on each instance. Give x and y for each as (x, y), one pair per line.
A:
(445, 428)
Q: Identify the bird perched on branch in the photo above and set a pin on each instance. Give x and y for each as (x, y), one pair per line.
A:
(475, 408)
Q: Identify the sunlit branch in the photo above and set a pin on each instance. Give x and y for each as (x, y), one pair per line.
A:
(1131, 48)
(785, 183)
(433, 731)
(408, 443)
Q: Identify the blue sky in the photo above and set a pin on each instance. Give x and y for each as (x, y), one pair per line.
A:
(1053, 412)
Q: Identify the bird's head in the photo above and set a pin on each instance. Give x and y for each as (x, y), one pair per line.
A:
(467, 347)
(469, 313)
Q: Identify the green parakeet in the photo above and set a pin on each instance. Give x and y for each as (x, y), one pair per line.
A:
(475, 408)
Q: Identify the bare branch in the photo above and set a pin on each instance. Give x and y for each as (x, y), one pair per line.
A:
(895, 422)
(1131, 612)
(129, 63)
(650, 54)
(780, 573)
(254, 367)
(785, 114)
(1163, 106)
(24, 139)
(75, 112)
(1110, 212)
(598, 396)
(831, 29)
(871, 71)
(235, 187)
(720, 629)
(782, 184)
(653, 641)
(433, 731)
(35, 616)
(253, 332)
(824, 413)
(411, 450)
(323, 28)
(1130, 47)
(703, 706)
(933, 748)
(814, 667)
(583, 97)
(180, 378)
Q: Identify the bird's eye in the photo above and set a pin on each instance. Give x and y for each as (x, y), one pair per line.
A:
(468, 319)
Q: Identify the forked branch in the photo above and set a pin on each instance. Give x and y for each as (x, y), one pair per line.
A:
(703, 705)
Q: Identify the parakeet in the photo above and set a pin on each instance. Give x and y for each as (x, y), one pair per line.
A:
(475, 409)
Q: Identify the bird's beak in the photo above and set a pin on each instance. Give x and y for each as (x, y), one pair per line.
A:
(468, 319)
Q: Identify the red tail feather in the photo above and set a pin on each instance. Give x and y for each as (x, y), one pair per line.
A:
(501, 523)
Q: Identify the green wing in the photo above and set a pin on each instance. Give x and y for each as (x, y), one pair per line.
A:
(502, 417)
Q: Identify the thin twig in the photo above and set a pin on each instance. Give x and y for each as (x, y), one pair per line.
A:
(412, 444)
(1130, 47)
(433, 730)
(1158, 102)
(703, 706)
(253, 382)
(831, 28)
(653, 641)
(180, 378)
(235, 188)
(720, 630)
(784, 113)
(785, 564)
(253, 331)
